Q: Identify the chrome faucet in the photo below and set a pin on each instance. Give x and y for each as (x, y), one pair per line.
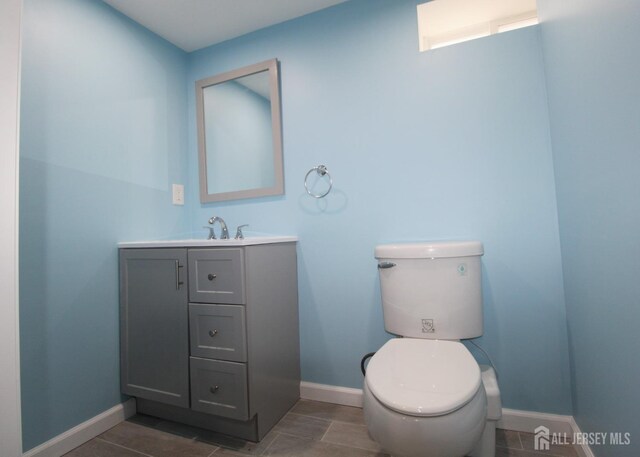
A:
(225, 231)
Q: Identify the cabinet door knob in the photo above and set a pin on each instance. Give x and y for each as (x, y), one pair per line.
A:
(213, 333)
(214, 389)
(212, 276)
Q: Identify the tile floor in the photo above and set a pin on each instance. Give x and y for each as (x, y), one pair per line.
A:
(310, 429)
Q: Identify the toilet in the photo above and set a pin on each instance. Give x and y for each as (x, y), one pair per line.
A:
(424, 393)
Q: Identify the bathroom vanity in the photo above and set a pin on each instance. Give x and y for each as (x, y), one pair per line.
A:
(209, 331)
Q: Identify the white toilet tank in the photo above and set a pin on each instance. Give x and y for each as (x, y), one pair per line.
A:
(432, 289)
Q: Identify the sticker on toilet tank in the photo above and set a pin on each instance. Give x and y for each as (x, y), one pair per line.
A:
(427, 326)
(462, 269)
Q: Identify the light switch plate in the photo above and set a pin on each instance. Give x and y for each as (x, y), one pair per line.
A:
(178, 194)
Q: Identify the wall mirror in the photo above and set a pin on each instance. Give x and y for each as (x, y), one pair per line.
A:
(240, 134)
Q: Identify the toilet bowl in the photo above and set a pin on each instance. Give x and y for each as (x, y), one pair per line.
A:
(425, 398)
(424, 393)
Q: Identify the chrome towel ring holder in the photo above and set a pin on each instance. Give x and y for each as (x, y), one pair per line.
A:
(322, 171)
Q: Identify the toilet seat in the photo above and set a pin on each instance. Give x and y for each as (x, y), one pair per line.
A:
(421, 377)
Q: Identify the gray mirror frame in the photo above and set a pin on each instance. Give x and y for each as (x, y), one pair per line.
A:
(276, 123)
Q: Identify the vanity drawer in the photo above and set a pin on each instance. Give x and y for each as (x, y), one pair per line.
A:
(219, 388)
(216, 276)
(218, 332)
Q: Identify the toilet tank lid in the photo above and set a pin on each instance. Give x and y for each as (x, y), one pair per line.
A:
(429, 250)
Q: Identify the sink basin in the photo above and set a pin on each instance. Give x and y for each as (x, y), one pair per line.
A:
(247, 241)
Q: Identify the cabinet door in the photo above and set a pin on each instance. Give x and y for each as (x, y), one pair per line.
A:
(154, 328)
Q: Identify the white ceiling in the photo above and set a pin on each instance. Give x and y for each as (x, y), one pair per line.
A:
(195, 24)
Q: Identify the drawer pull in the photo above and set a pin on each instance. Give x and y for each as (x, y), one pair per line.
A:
(214, 390)
(212, 276)
(213, 333)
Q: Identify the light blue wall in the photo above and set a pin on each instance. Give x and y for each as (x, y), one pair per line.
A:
(593, 74)
(447, 144)
(103, 136)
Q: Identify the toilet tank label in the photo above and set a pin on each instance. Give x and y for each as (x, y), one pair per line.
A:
(427, 326)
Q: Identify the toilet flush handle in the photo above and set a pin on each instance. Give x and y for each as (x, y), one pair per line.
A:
(383, 265)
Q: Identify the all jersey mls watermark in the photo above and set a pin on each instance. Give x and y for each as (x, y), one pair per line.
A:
(543, 438)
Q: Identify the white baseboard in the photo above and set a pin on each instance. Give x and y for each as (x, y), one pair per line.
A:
(512, 419)
(527, 421)
(331, 394)
(84, 432)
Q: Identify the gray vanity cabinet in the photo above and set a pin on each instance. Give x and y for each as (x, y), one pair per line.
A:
(234, 341)
(154, 329)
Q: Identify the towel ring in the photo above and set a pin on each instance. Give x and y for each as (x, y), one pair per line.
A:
(321, 170)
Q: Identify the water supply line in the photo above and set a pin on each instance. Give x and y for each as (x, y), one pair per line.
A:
(362, 362)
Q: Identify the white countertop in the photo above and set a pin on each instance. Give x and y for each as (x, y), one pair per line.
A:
(192, 243)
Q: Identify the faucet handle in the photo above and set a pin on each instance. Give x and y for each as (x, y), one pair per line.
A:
(212, 234)
(239, 234)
